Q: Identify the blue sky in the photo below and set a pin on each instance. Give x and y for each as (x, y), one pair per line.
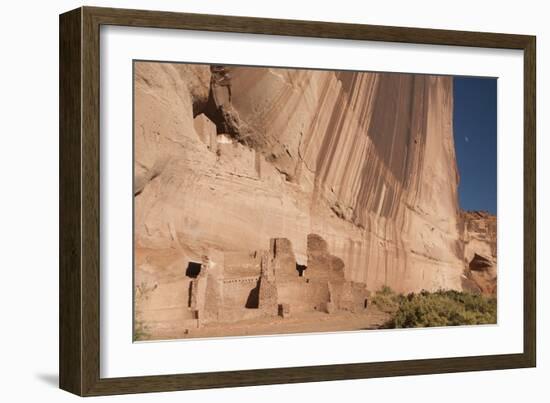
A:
(475, 133)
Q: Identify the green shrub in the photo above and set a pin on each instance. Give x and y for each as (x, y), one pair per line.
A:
(141, 331)
(142, 293)
(386, 300)
(442, 308)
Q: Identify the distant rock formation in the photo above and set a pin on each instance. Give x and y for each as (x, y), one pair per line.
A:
(480, 251)
(231, 158)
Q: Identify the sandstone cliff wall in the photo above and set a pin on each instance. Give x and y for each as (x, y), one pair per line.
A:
(479, 236)
(227, 158)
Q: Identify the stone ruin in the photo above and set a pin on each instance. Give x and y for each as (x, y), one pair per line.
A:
(228, 287)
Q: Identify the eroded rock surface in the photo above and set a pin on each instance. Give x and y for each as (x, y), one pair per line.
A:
(230, 159)
(480, 251)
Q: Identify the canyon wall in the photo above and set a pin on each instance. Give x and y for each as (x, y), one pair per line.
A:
(227, 158)
(479, 236)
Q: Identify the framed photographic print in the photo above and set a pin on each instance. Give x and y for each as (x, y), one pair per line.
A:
(249, 201)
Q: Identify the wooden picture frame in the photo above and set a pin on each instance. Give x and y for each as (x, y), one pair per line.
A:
(79, 348)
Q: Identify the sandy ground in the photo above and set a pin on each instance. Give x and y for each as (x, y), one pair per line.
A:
(310, 322)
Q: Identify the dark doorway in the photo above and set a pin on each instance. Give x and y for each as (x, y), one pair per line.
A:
(300, 268)
(253, 300)
(193, 269)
